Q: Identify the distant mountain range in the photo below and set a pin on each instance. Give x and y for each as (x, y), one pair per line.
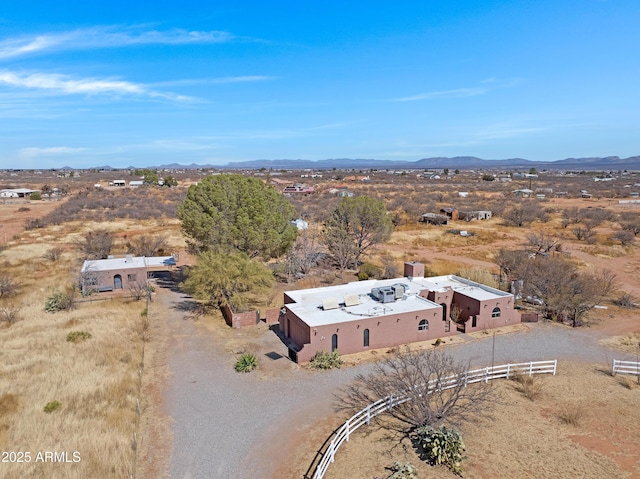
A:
(459, 162)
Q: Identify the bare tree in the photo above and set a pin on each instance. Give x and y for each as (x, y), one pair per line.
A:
(304, 254)
(522, 215)
(509, 261)
(97, 244)
(625, 237)
(147, 245)
(9, 314)
(139, 290)
(585, 233)
(544, 243)
(408, 374)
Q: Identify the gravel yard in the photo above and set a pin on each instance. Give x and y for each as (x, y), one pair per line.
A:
(227, 424)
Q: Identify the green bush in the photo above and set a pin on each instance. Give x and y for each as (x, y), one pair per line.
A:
(51, 406)
(59, 301)
(246, 363)
(441, 446)
(369, 270)
(36, 195)
(403, 471)
(78, 336)
(326, 360)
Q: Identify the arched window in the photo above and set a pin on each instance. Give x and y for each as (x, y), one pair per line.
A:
(334, 342)
(423, 325)
(117, 282)
(495, 313)
(365, 341)
(444, 311)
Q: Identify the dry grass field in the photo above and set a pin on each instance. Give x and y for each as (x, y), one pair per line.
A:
(95, 379)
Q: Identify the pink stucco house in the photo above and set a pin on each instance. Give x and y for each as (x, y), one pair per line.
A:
(385, 313)
(118, 274)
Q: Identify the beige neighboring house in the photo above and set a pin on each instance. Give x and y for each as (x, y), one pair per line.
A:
(121, 274)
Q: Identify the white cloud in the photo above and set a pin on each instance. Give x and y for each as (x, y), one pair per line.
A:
(215, 81)
(107, 37)
(88, 86)
(53, 150)
(457, 93)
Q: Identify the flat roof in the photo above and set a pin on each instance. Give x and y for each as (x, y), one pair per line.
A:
(135, 262)
(308, 304)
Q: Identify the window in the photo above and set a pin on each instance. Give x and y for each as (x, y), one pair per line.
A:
(131, 278)
(495, 313)
(444, 311)
(474, 322)
(117, 282)
(365, 341)
(334, 342)
(423, 325)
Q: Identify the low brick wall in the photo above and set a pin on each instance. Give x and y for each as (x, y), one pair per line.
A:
(529, 317)
(240, 320)
(272, 316)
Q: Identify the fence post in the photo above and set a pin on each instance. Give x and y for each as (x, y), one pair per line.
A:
(555, 365)
(613, 368)
(508, 369)
(368, 414)
(530, 368)
(390, 402)
(347, 430)
(466, 378)
(333, 450)
(486, 375)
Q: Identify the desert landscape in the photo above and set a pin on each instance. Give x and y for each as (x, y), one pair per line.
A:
(102, 365)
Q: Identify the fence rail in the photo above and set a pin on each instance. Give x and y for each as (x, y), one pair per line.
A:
(625, 367)
(385, 404)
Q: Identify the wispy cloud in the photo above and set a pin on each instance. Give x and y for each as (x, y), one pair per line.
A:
(64, 84)
(48, 151)
(107, 37)
(456, 93)
(215, 81)
(489, 85)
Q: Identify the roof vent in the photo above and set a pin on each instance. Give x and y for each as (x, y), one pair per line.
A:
(384, 295)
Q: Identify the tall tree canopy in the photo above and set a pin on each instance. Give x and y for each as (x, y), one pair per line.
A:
(233, 279)
(232, 212)
(354, 227)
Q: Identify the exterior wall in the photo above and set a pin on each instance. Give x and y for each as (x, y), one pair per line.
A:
(384, 332)
(483, 311)
(105, 279)
(295, 329)
(272, 316)
(414, 269)
(240, 320)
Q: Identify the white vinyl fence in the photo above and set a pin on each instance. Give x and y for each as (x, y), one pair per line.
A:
(625, 367)
(474, 376)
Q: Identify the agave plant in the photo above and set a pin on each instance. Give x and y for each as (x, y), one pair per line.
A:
(246, 363)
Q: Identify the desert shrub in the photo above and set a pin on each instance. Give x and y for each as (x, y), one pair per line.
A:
(440, 447)
(53, 254)
(403, 471)
(7, 286)
(326, 360)
(624, 236)
(52, 406)
(479, 275)
(36, 195)
(369, 270)
(529, 386)
(144, 313)
(9, 314)
(78, 336)
(246, 363)
(23, 209)
(96, 244)
(59, 301)
(625, 300)
(570, 414)
(33, 223)
(438, 342)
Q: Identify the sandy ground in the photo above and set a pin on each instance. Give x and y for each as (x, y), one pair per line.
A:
(12, 221)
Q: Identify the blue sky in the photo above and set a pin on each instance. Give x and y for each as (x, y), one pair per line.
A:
(148, 83)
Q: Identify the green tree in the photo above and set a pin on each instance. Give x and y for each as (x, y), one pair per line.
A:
(150, 177)
(356, 225)
(232, 212)
(234, 279)
(169, 181)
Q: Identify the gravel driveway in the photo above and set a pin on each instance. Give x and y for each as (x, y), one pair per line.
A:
(230, 425)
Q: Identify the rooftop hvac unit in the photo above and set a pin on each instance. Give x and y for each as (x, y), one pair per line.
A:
(329, 303)
(386, 295)
(399, 289)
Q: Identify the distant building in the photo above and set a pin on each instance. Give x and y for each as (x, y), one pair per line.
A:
(524, 193)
